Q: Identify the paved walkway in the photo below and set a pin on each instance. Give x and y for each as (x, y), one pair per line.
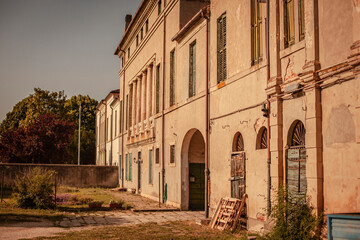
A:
(36, 228)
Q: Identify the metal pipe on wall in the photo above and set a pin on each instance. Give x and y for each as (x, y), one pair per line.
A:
(163, 108)
(121, 127)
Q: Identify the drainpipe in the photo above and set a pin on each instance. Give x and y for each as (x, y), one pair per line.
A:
(111, 138)
(105, 133)
(268, 108)
(206, 16)
(122, 129)
(163, 108)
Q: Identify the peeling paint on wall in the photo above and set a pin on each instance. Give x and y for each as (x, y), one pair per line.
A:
(340, 127)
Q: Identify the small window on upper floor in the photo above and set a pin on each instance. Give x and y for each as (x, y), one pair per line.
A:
(256, 32)
(122, 62)
(147, 26)
(137, 40)
(128, 52)
(157, 89)
(141, 33)
(159, 7)
(172, 153)
(192, 69)
(172, 78)
(221, 48)
(301, 20)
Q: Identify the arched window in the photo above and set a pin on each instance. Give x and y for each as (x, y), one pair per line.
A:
(261, 140)
(298, 135)
(238, 143)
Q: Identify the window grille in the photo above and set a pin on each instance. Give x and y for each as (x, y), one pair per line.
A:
(256, 32)
(172, 153)
(157, 155)
(192, 70)
(238, 143)
(261, 141)
(221, 48)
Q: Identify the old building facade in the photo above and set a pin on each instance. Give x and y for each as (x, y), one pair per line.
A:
(223, 98)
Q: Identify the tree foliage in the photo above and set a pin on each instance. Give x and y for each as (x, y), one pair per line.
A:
(21, 132)
(46, 140)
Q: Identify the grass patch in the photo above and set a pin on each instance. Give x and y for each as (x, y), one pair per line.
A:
(170, 230)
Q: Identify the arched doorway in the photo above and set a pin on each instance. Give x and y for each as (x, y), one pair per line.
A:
(296, 160)
(193, 171)
(238, 176)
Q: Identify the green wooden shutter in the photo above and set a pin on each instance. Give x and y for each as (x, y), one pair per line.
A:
(130, 167)
(150, 167)
(126, 167)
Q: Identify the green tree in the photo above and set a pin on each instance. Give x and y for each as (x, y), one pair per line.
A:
(87, 137)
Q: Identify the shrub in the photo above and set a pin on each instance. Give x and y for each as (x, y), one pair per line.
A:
(294, 218)
(34, 188)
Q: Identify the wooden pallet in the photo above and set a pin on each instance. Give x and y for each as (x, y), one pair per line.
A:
(228, 213)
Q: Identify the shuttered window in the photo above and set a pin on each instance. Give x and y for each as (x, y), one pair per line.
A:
(126, 167)
(192, 69)
(172, 153)
(157, 155)
(130, 167)
(127, 112)
(221, 48)
(157, 86)
(150, 166)
(256, 32)
(289, 25)
(301, 20)
(172, 77)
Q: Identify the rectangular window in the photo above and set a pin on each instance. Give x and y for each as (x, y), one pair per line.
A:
(157, 86)
(221, 48)
(172, 153)
(121, 117)
(130, 167)
(301, 20)
(122, 62)
(150, 167)
(115, 128)
(127, 112)
(192, 69)
(128, 52)
(172, 78)
(126, 166)
(147, 26)
(256, 32)
(289, 26)
(159, 7)
(141, 33)
(157, 155)
(120, 167)
(137, 40)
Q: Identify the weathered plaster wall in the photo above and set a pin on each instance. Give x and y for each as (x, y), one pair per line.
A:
(67, 175)
(341, 147)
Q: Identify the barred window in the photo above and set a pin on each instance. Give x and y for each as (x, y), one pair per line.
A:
(192, 69)
(256, 32)
(221, 48)
(172, 153)
(157, 155)
(172, 77)
(289, 26)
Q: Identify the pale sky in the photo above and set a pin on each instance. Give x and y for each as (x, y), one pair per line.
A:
(60, 45)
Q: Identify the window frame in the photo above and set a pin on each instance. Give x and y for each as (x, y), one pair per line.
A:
(157, 88)
(172, 78)
(172, 153)
(256, 32)
(192, 69)
(221, 49)
(289, 27)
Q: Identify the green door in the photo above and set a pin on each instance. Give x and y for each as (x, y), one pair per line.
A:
(196, 186)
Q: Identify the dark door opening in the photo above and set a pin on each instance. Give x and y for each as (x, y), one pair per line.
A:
(196, 186)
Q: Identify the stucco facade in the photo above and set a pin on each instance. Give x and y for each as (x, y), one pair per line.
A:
(305, 78)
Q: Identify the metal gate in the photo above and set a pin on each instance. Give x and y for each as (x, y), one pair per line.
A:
(296, 162)
(238, 175)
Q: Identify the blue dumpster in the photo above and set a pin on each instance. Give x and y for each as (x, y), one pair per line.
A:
(343, 226)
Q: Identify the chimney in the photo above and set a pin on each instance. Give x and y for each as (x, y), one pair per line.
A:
(128, 18)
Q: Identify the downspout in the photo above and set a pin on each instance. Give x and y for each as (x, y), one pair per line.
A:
(268, 109)
(206, 16)
(111, 138)
(121, 128)
(163, 108)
